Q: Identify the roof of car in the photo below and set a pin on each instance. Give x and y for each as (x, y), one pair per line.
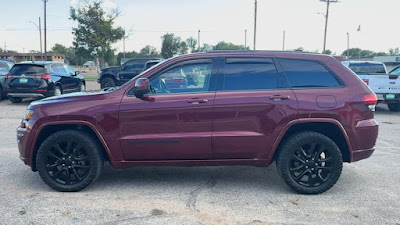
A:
(364, 62)
(42, 63)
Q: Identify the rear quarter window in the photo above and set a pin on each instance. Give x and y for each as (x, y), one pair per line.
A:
(366, 68)
(27, 69)
(303, 73)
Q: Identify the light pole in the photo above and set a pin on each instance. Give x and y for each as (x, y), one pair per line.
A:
(255, 24)
(284, 37)
(348, 45)
(245, 39)
(40, 36)
(45, 31)
(326, 19)
(198, 40)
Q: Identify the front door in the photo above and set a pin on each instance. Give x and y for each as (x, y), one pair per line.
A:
(177, 123)
(251, 107)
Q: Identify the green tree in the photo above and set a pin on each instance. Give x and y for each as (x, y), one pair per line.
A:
(172, 45)
(191, 42)
(394, 51)
(327, 51)
(229, 46)
(149, 51)
(95, 31)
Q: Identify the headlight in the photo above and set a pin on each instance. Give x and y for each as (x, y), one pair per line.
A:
(28, 114)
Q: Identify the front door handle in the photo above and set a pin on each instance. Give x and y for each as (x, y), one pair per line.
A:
(279, 97)
(197, 101)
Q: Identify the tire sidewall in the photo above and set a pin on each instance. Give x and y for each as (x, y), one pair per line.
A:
(301, 139)
(96, 161)
(107, 80)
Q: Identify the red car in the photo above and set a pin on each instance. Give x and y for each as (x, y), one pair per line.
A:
(306, 112)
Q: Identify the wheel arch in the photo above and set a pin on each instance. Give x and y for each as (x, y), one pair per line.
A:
(47, 129)
(328, 127)
(108, 75)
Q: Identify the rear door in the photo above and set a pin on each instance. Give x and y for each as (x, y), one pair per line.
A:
(252, 105)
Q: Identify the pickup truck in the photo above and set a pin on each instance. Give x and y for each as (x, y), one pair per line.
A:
(116, 76)
(374, 74)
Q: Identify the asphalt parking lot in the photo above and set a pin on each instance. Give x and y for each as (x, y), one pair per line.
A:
(367, 192)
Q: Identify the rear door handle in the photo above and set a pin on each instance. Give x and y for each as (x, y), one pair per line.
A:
(197, 101)
(279, 97)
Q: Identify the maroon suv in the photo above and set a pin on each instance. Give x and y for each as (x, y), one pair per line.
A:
(306, 112)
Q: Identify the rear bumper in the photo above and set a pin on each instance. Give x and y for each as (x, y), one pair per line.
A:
(361, 154)
(26, 95)
(366, 134)
(382, 98)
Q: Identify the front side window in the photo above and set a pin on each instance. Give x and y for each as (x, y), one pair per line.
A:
(249, 74)
(69, 70)
(188, 78)
(396, 71)
(302, 73)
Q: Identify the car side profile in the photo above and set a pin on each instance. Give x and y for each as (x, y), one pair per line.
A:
(306, 112)
(42, 79)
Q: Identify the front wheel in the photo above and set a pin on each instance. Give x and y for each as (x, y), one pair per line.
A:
(69, 160)
(394, 107)
(57, 91)
(310, 162)
(82, 87)
(107, 83)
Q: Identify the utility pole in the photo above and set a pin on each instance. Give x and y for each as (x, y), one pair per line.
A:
(5, 46)
(283, 45)
(198, 40)
(348, 45)
(255, 24)
(245, 39)
(45, 31)
(326, 19)
(124, 47)
(40, 36)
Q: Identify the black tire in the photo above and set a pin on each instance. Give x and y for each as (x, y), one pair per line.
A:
(313, 156)
(1, 93)
(107, 82)
(64, 166)
(15, 99)
(394, 107)
(57, 91)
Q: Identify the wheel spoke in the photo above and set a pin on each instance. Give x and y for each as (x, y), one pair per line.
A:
(83, 158)
(56, 174)
(58, 148)
(320, 150)
(76, 150)
(298, 158)
(77, 174)
(330, 168)
(52, 166)
(311, 151)
(304, 152)
(297, 168)
(81, 166)
(325, 159)
(68, 150)
(67, 177)
(300, 176)
(53, 155)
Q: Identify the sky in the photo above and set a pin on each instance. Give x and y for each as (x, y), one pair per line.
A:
(218, 20)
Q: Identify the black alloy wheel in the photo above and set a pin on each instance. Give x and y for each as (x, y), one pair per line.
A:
(310, 162)
(69, 160)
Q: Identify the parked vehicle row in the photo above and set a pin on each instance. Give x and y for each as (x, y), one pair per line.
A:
(308, 113)
(385, 85)
(41, 79)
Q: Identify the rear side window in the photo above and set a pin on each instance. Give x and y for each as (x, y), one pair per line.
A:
(27, 69)
(249, 74)
(302, 73)
(366, 68)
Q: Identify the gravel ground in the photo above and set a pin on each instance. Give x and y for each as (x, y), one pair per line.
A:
(366, 193)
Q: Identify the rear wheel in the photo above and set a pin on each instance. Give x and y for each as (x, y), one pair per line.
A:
(394, 107)
(107, 83)
(15, 99)
(69, 160)
(310, 162)
(57, 91)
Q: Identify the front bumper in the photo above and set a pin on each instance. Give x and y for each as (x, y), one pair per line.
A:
(23, 141)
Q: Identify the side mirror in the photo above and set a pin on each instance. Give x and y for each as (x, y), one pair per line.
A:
(76, 73)
(142, 87)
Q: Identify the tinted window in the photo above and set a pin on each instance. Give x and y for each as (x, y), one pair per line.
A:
(58, 68)
(396, 71)
(27, 69)
(135, 64)
(189, 78)
(69, 70)
(3, 68)
(249, 74)
(365, 68)
(301, 73)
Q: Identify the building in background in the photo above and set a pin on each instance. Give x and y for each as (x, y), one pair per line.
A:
(19, 57)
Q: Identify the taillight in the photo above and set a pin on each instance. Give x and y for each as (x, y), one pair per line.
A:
(8, 75)
(370, 101)
(43, 76)
(366, 81)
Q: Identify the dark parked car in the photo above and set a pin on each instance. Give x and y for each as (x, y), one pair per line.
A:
(42, 79)
(5, 66)
(116, 76)
(308, 113)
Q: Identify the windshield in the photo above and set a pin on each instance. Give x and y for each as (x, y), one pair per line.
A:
(365, 68)
(3, 68)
